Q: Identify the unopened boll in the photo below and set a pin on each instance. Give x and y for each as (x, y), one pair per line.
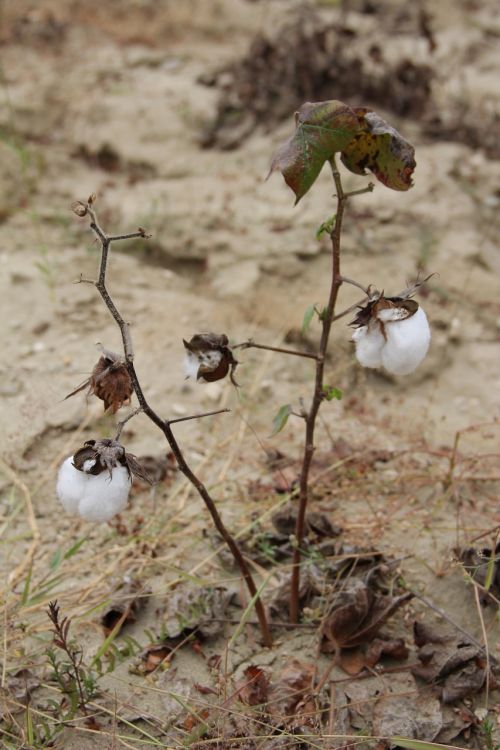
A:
(94, 497)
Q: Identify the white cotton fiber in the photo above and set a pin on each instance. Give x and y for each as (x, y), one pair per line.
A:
(94, 498)
(369, 343)
(191, 365)
(210, 358)
(407, 343)
(105, 495)
(70, 486)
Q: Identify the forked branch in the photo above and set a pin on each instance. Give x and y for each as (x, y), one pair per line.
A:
(84, 209)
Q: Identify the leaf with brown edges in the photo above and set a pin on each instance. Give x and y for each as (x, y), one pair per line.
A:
(379, 148)
(323, 129)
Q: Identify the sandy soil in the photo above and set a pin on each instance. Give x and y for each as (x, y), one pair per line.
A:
(110, 100)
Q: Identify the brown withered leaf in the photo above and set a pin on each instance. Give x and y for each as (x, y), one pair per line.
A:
(322, 129)
(109, 381)
(128, 598)
(288, 693)
(253, 688)
(155, 655)
(379, 147)
(450, 660)
(357, 616)
(353, 661)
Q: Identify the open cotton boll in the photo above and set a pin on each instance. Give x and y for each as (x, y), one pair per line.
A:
(105, 495)
(71, 485)
(193, 361)
(369, 342)
(407, 343)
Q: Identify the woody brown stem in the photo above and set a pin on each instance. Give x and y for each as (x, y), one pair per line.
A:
(165, 425)
(327, 319)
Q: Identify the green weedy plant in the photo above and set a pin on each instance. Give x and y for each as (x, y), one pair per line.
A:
(391, 331)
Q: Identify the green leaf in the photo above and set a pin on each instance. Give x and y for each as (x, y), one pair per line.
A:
(326, 227)
(381, 149)
(323, 129)
(281, 418)
(308, 316)
(331, 393)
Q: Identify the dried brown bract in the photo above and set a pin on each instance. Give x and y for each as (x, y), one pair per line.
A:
(109, 381)
(209, 358)
(97, 456)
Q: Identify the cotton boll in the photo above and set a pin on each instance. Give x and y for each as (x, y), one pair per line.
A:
(105, 495)
(71, 485)
(88, 465)
(369, 342)
(407, 343)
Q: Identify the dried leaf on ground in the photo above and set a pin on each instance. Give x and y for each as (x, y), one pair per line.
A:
(357, 616)
(128, 598)
(155, 655)
(415, 716)
(353, 661)
(289, 695)
(253, 688)
(453, 661)
(192, 608)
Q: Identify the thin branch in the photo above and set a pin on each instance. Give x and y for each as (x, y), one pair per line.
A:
(368, 189)
(131, 236)
(121, 425)
(198, 416)
(252, 345)
(365, 289)
(164, 425)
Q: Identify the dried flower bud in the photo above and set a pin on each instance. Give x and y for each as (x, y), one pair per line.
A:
(95, 482)
(92, 199)
(391, 332)
(209, 358)
(79, 208)
(109, 381)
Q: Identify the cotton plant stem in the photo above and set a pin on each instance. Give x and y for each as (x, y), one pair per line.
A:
(165, 425)
(318, 395)
(280, 350)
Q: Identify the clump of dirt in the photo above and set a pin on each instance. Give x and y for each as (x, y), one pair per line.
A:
(312, 59)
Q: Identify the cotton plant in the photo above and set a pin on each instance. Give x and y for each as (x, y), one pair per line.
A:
(390, 332)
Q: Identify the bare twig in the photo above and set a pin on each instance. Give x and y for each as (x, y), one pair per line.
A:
(198, 416)
(252, 345)
(121, 425)
(165, 425)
